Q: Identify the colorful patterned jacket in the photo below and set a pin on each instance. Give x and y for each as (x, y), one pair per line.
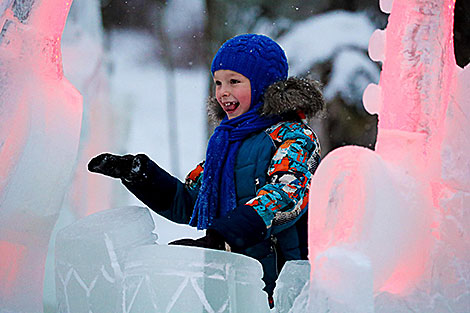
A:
(280, 193)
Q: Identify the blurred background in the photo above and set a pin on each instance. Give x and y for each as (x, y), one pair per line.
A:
(142, 67)
(325, 40)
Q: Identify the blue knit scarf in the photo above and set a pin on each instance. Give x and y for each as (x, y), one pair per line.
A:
(217, 196)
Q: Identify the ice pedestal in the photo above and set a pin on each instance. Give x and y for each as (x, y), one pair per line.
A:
(187, 279)
(90, 255)
(342, 283)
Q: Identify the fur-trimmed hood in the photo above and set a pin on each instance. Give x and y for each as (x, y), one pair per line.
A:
(285, 98)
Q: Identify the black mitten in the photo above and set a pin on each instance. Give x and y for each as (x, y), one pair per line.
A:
(126, 167)
(212, 240)
(112, 165)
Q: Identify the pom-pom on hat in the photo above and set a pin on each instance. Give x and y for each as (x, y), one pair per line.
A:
(257, 57)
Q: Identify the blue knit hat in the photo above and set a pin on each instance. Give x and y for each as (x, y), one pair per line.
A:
(257, 57)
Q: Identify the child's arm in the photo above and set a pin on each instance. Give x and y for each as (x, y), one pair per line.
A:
(283, 200)
(160, 191)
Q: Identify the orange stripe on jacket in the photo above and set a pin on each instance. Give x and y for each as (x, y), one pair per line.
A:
(196, 172)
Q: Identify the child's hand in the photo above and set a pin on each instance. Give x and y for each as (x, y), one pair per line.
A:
(212, 240)
(111, 165)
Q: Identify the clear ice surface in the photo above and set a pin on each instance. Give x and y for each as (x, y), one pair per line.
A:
(40, 118)
(85, 65)
(90, 254)
(174, 279)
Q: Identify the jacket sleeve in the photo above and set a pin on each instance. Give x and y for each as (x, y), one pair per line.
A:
(284, 199)
(163, 193)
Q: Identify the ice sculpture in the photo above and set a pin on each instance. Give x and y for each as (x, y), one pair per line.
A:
(85, 65)
(292, 279)
(400, 215)
(40, 120)
(174, 279)
(90, 256)
(107, 262)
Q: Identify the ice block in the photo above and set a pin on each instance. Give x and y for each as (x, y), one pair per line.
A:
(90, 255)
(175, 279)
(292, 279)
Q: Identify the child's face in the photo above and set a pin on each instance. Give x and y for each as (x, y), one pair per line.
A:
(233, 92)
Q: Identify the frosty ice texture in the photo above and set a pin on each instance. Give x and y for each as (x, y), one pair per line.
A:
(174, 279)
(90, 257)
(404, 207)
(342, 282)
(368, 209)
(40, 116)
(84, 66)
(292, 279)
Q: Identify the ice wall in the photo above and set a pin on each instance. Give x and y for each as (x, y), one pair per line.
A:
(40, 117)
(400, 215)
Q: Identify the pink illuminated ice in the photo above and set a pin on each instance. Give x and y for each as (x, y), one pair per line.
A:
(386, 5)
(404, 206)
(39, 130)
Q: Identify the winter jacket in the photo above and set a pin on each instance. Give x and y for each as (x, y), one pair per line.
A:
(272, 169)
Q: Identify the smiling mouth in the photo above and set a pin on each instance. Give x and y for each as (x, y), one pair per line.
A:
(230, 106)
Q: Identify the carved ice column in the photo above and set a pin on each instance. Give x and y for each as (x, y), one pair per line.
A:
(40, 117)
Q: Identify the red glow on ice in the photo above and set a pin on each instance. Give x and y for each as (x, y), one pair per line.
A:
(11, 256)
(409, 91)
(14, 124)
(39, 135)
(405, 171)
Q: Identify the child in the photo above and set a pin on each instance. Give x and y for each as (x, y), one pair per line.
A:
(251, 192)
